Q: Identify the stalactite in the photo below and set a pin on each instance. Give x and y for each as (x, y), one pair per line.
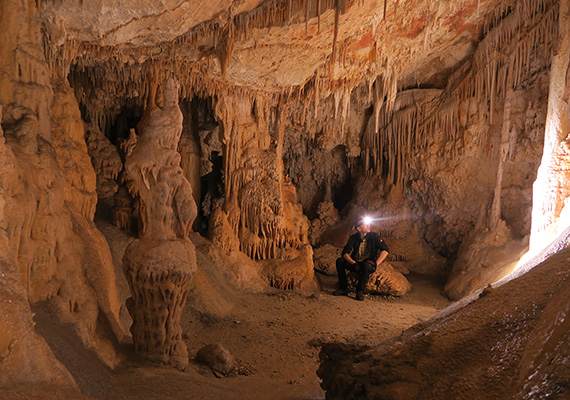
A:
(531, 24)
(317, 94)
(318, 16)
(306, 15)
(514, 31)
(335, 36)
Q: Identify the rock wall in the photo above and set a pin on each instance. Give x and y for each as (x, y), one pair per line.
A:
(18, 340)
(493, 247)
(48, 202)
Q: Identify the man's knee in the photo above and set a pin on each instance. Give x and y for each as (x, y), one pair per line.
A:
(369, 267)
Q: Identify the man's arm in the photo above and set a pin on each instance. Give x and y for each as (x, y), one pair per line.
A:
(383, 249)
(383, 255)
(348, 258)
(347, 251)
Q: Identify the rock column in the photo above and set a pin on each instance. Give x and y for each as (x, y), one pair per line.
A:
(159, 266)
(551, 192)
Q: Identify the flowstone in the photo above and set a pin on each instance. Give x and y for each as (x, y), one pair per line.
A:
(160, 265)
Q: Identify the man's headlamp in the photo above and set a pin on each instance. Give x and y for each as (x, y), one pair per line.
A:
(366, 220)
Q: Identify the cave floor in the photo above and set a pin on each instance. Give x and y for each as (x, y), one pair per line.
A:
(275, 338)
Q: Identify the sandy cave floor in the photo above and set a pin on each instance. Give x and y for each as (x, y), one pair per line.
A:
(275, 339)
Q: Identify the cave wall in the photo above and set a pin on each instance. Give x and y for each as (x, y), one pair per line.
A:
(18, 340)
(53, 253)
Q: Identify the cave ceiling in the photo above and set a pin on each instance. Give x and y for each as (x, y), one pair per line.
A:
(275, 45)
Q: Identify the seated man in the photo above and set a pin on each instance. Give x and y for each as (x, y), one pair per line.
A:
(363, 252)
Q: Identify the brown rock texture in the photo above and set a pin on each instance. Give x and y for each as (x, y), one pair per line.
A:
(550, 196)
(483, 258)
(159, 274)
(260, 204)
(327, 216)
(105, 160)
(18, 340)
(325, 258)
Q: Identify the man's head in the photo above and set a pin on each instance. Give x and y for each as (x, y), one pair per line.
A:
(363, 225)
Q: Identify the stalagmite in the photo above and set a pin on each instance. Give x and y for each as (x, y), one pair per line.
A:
(159, 266)
(503, 150)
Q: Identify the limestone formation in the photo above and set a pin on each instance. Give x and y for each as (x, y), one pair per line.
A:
(295, 271)
(159, 266)
(190, 162)
(159, 274)
(325, 258)
(551, 211)
(484, 257)
(105, 159)
(123, 209)
(385, 280)
(260, 204)
(221, 232)
(54, 253)
(18, 340)
(327, 216)
(68, 140)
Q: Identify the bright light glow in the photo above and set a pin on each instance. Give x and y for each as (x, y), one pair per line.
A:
(369, 220)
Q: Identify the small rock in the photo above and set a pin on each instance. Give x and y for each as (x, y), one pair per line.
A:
(218, 358)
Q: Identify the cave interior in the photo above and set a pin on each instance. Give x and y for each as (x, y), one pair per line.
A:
(157, 159)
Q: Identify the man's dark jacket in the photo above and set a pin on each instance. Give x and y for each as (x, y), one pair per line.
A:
(374, 242)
